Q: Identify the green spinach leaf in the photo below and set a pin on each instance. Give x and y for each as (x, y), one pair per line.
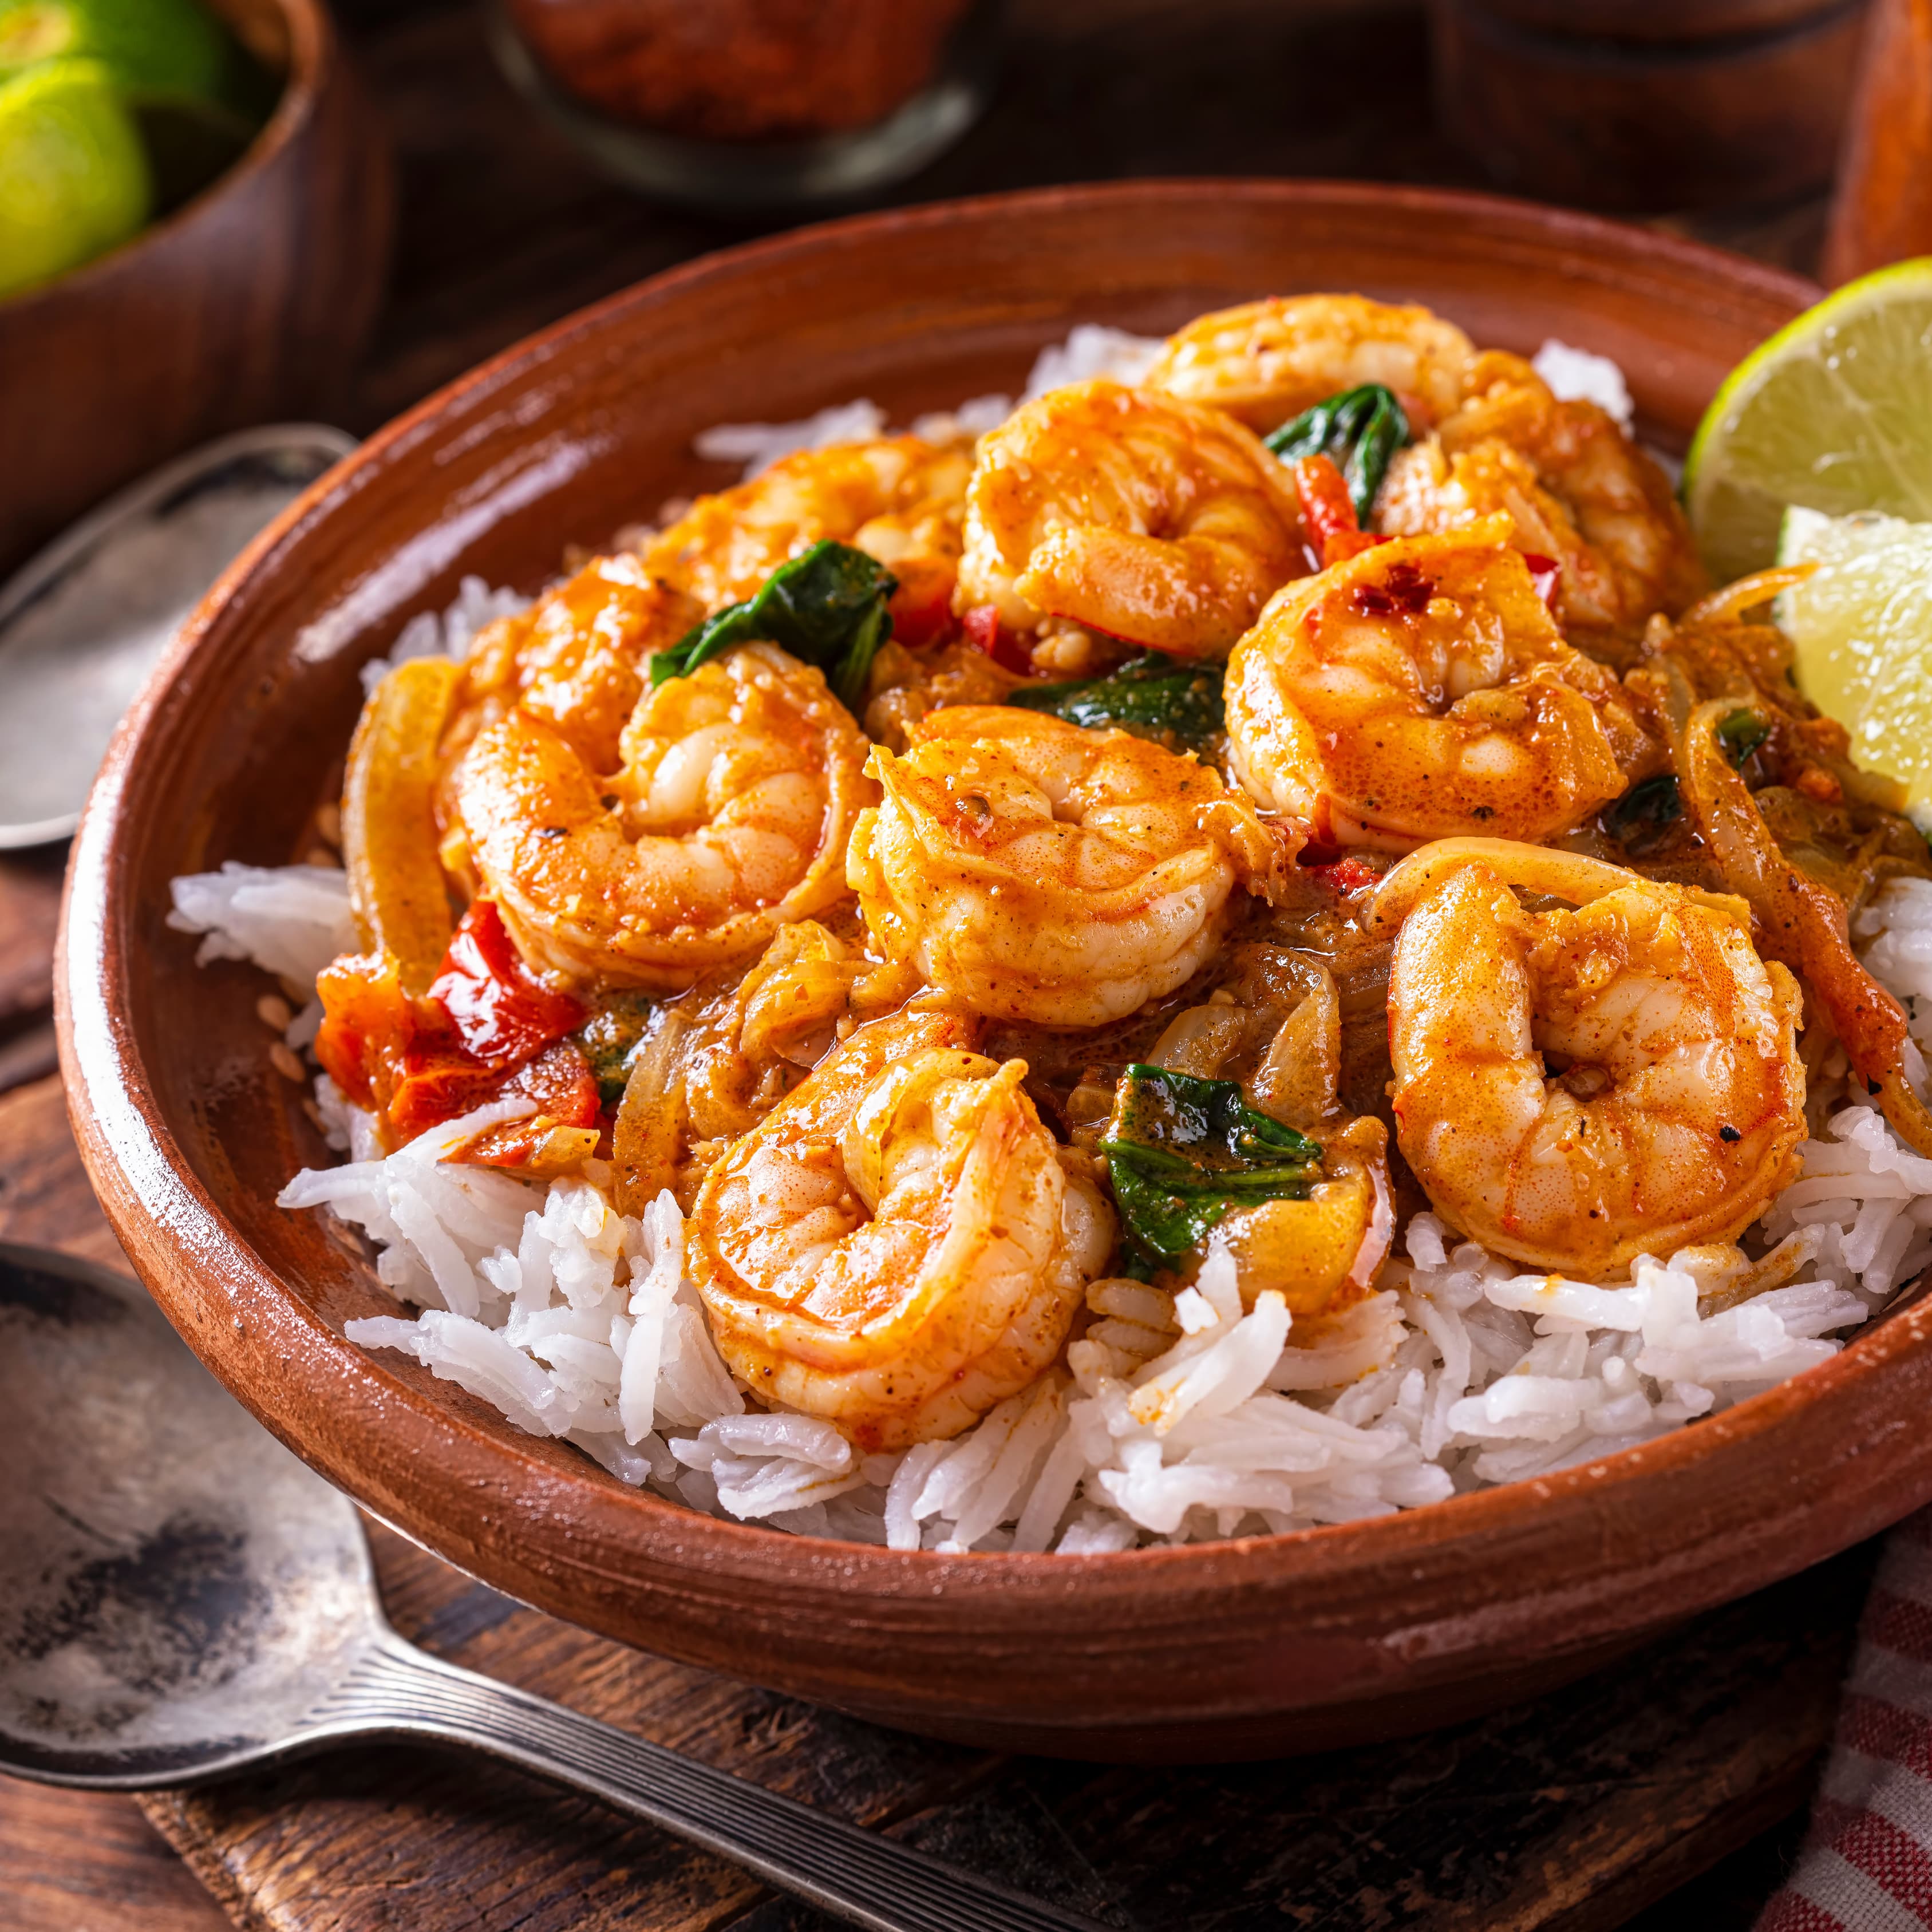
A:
(1153, 696)
(1359, 431)
(827, 606)
(1645, 810)
(1182, 1151)
(609, 1038)
(1741, 734)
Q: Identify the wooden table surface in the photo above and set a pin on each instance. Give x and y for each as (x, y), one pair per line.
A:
(1575, 1813)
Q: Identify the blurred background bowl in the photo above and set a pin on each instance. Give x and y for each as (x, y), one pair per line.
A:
(753, 104)
(251, 302)
(1629, 105)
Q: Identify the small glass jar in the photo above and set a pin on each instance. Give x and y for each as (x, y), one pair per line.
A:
(754, 103)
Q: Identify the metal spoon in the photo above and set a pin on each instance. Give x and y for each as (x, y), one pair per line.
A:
(82, 623)
(181, 1599)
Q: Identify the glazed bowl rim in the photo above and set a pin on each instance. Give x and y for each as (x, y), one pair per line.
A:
(106, 1077)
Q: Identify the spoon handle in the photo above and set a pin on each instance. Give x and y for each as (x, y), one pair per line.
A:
(396, 1690)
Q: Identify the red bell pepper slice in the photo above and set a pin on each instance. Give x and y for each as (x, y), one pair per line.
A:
(983, 627)
(1546, 573)
(1328, 519)
(502, 1011)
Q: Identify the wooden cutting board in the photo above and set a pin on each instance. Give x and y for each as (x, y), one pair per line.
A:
(1571, 1813)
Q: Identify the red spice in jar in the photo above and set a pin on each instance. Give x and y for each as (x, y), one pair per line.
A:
(742, 70)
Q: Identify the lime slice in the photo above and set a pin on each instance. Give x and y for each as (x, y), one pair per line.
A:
(73, 177)
(1834, 413)
(151, 47)
(1862, 627)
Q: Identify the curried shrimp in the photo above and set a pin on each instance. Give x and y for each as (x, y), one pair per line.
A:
(1578, 1087)
(1576, 488)
(728, 815)
(1155, 521)
(1422, 689)
(1038, 870)
(1265, 362)
(708, 1067)
(576, 657)
(898, 499)
(899, 1245)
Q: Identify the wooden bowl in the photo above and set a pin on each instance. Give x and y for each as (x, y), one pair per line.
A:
(249, 304)
(1253, 1648)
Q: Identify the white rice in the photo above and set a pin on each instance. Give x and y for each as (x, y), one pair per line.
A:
(757, 445)
(1576, 375)
(291, 920)
(448, 633)
(1176, 1417)
(1090, 350)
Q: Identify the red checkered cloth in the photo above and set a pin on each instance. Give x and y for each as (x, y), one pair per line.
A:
(1866, 1864)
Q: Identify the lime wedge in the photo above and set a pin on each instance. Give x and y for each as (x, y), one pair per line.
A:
(1833, 413)
(73, 177)
(1862, 627)
(150, 47)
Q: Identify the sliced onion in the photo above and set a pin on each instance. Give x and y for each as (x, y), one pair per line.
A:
(1801, 921)
(1728, 606)
(648, 1135)
(1299, 1081)
(389, 840)
(1200, 1040)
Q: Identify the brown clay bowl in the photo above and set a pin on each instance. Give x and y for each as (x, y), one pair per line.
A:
(1252, 1647)
(249, 303)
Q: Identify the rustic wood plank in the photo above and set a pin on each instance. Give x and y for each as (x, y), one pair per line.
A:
(30, 889)
(1567, 1815)
(504, 229)
(30, 1054)
(128, 1876)
(44, 1196)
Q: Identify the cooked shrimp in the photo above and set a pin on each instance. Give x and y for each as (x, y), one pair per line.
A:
(575, 658)
(1575, 487)
(710, 1067)
(899, 1245)
(1153, 520)
(727, 816)
(897, 498)
(1037, 870)
(1578, 1087)
(1420, 690)
(1266, 362)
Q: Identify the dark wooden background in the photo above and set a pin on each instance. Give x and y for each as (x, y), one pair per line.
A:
(1577, 1812)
